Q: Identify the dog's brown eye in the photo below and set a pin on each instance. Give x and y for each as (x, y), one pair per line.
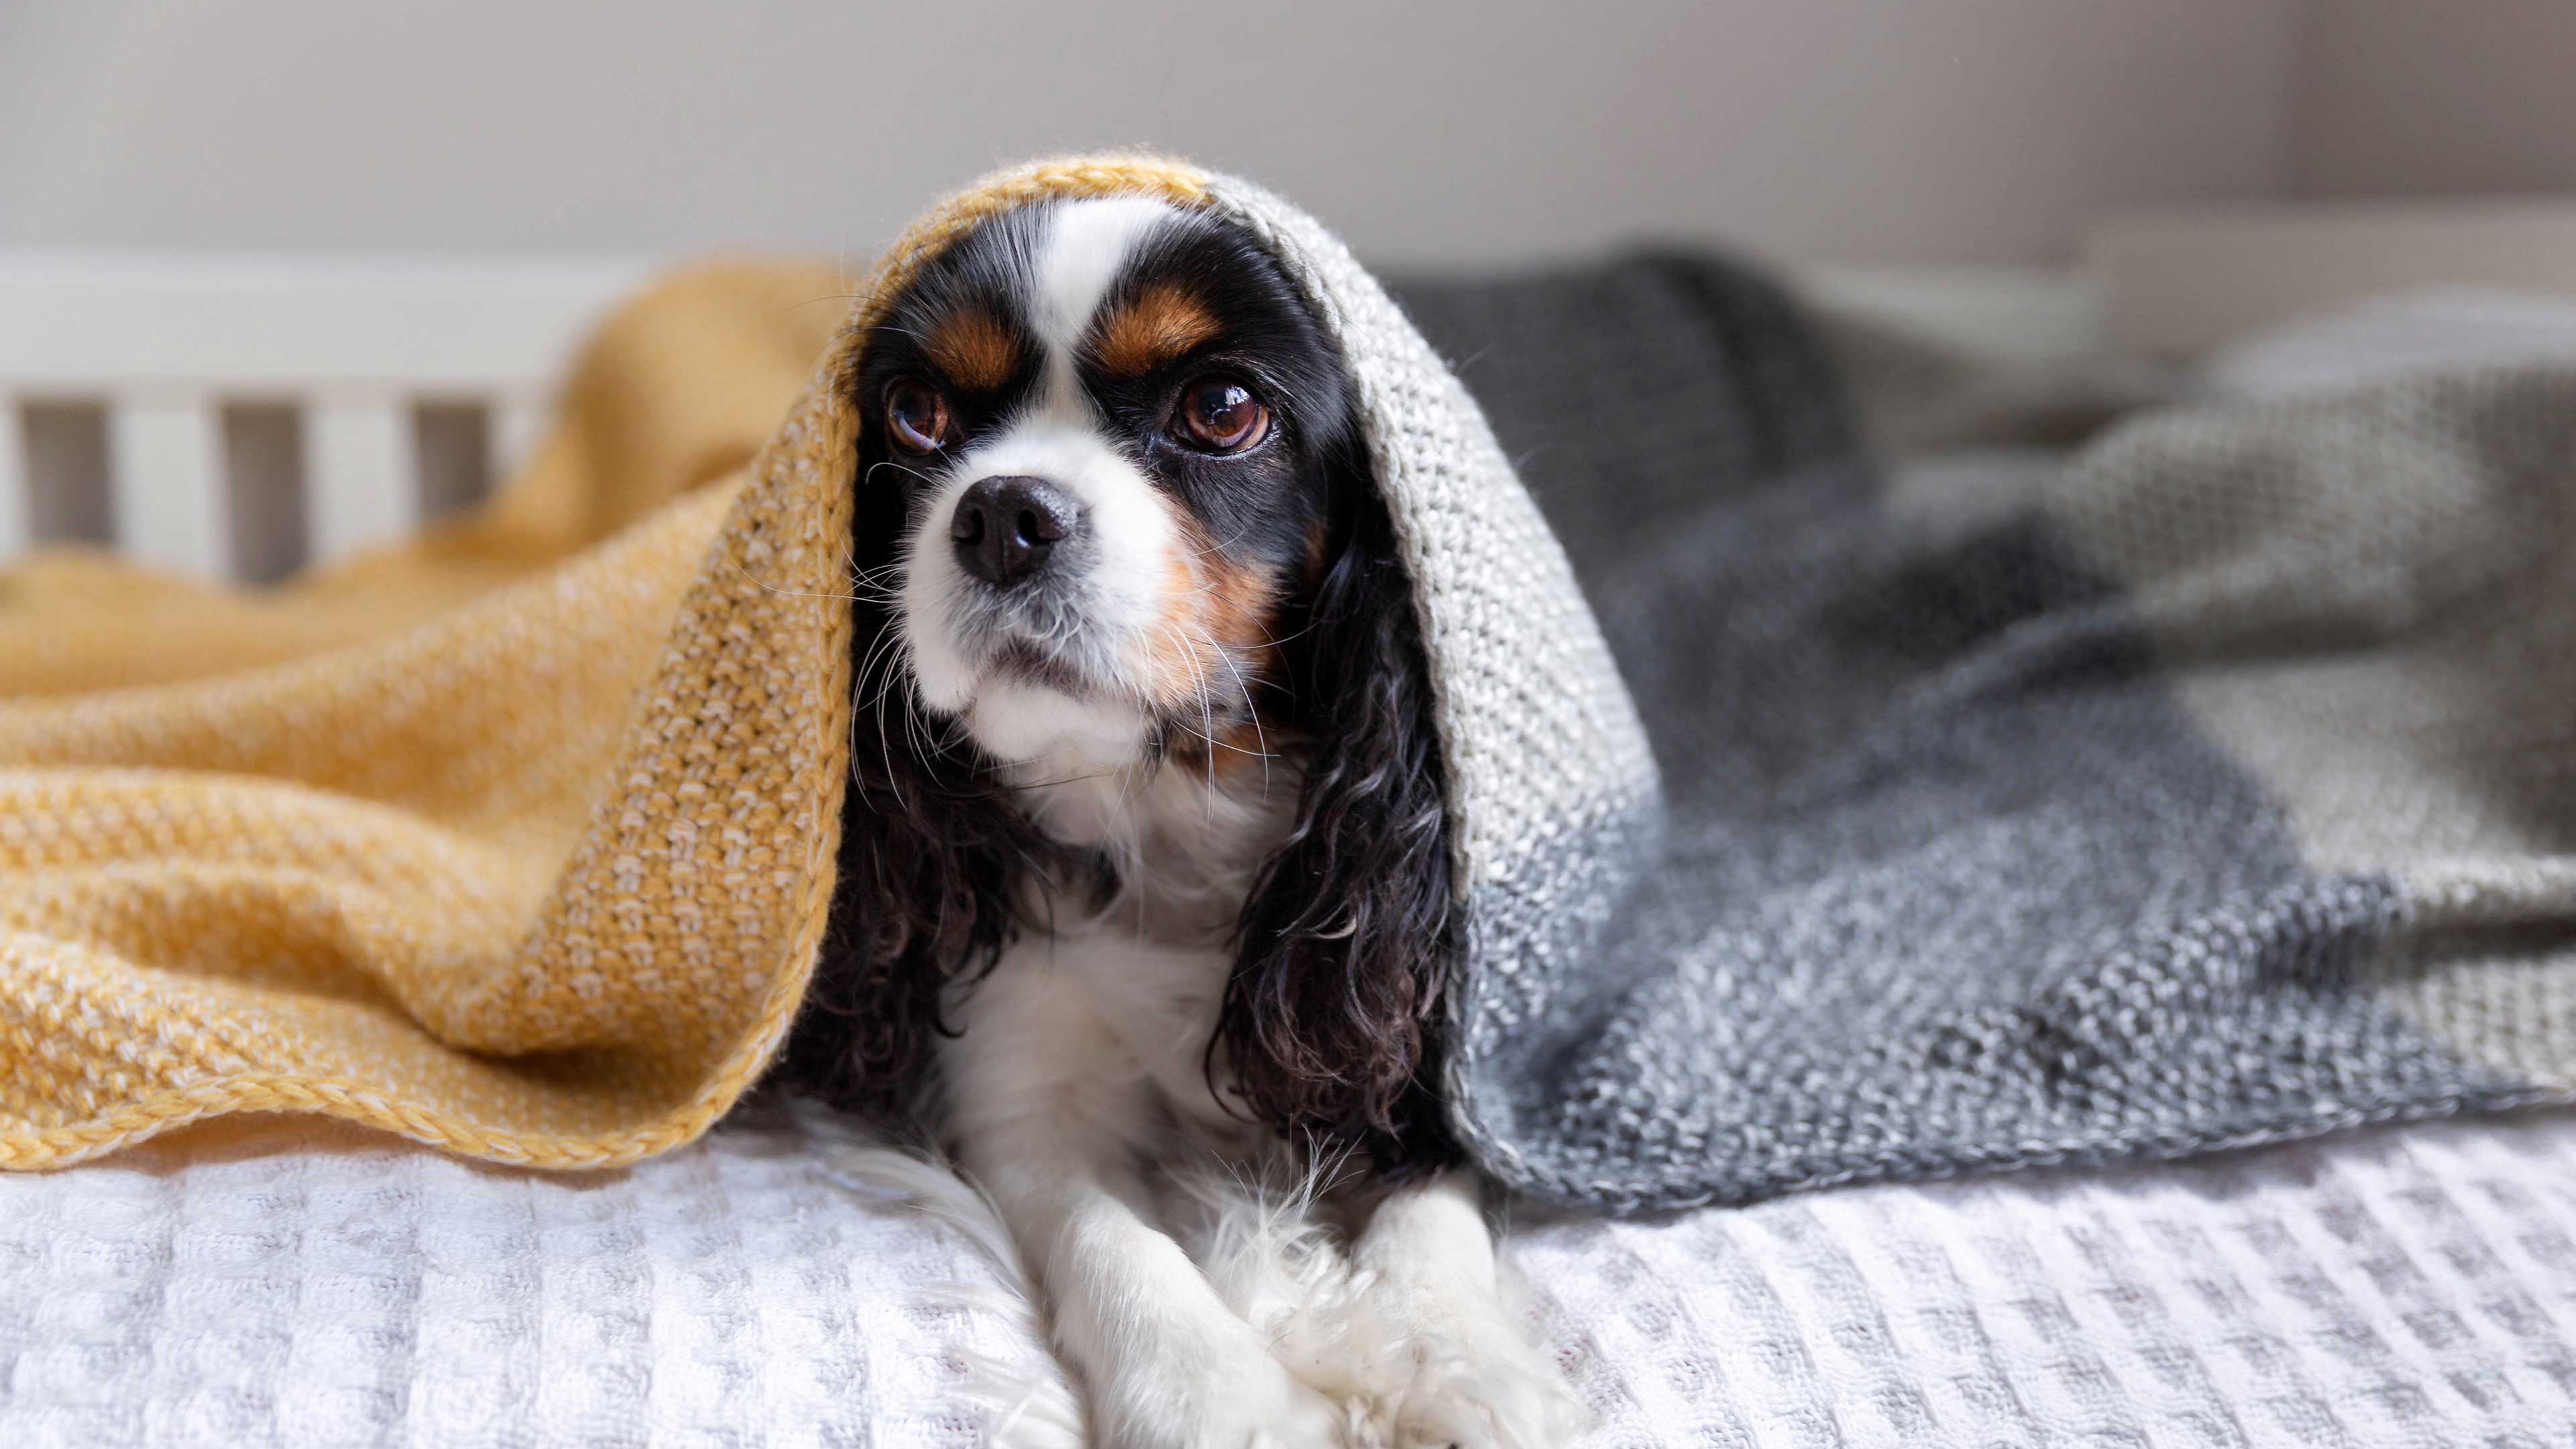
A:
(917, 416)
(1221, 415)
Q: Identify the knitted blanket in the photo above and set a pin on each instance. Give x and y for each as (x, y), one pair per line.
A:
(2198, 794)
(2213, 787)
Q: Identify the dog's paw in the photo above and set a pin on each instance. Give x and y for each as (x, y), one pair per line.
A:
(1474, 1382)
(1237, 1397)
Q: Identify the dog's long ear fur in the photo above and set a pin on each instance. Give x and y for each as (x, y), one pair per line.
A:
(1332, 1018)
(931, 859)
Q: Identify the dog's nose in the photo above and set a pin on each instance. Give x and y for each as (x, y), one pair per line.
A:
(1005, 527)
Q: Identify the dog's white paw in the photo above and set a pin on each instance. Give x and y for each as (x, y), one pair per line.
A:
(1418, 1342)
(1237, 1398)
(1474, 1382)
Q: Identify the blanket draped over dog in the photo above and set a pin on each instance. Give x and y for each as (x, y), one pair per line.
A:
(2213, 789)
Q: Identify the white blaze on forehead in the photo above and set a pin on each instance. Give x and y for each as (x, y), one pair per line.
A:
(1087, 245)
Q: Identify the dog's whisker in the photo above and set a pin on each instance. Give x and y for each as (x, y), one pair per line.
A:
(1217, 548)
(1260, 739)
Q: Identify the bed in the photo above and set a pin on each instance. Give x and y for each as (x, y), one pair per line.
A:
(788, 1280)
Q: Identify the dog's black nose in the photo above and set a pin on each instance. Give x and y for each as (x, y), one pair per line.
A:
(1006, 527)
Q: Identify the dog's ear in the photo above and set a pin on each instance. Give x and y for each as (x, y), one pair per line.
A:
(1332, 1017)
(931, 854)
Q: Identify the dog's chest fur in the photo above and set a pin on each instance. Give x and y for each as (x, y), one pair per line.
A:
(1184, 847)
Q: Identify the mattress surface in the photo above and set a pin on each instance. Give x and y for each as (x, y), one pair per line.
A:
(286, 1284)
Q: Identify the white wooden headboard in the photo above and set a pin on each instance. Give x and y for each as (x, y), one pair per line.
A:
(143, 399)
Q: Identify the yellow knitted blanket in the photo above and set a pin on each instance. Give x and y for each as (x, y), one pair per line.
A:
(516, 839)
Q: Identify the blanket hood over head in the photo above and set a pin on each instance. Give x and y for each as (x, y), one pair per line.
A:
(542, 878)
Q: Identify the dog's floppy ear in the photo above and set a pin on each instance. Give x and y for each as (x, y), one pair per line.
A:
(1333, 1014)
(931, 855)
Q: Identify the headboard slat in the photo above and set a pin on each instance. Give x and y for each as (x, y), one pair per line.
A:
(17, 502)
(362, 471)
(518, 424)
(165, 481)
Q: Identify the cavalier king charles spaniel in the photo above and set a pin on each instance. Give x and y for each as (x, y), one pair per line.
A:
(1147, 863)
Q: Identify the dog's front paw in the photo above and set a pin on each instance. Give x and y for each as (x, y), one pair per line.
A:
(1235, 1396)
(1475, 1381)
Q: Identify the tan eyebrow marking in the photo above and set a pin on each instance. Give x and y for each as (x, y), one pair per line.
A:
(1160, 323)
(975, 349)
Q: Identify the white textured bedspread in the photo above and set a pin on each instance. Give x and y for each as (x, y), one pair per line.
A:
(293, 1284)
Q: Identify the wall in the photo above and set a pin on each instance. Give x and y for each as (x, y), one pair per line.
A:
(2435, 97)
(1850, 130)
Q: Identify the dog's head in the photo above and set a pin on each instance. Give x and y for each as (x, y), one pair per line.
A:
(1116, 433)
(1113, 512)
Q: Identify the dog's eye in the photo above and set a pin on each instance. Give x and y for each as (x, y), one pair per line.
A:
(917, 416)
(1220, 415)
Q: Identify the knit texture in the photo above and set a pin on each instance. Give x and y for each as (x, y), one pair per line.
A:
(2205, 787)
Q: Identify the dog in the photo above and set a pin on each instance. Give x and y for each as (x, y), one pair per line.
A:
(1148, 862)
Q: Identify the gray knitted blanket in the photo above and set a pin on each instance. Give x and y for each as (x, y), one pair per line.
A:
(2215, 787)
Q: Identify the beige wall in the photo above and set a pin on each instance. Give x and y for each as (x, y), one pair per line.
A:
(2435, 97)
(1925, 130)
(1848, 130)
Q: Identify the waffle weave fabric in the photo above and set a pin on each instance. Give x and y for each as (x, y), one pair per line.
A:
(302, 1286)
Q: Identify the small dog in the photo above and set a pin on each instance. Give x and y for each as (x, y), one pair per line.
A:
(1153, 864)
